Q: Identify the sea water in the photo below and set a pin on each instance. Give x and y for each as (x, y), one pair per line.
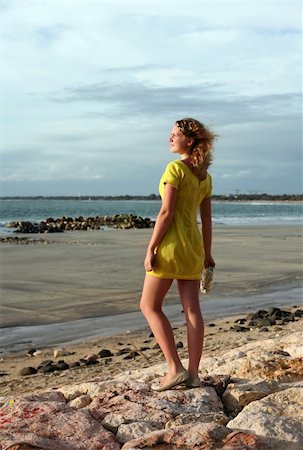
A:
(224, 212)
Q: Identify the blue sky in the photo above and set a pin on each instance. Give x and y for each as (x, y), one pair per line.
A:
(90, 91)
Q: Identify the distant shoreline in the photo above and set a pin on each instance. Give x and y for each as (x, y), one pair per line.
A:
(227, 198)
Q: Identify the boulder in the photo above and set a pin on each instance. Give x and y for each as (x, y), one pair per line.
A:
(278, 416)
(44, 420)
(206, 436)
(238, 395)
(144, 405)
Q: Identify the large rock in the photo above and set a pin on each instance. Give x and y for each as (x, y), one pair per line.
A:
(278, 416)
(238, 395)
(85, 415)
(135, 402)
(202, 436)
(46, 421)
(93, 389)
(272, 359)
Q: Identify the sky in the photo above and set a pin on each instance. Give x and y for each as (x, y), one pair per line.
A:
(90, 90)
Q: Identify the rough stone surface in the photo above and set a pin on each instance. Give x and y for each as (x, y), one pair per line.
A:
(264, 378)
(143, 404)
(259, 360)
(238, 395)
(80, 402)
(279, 415)
(45, 420)
(134, 430)
(202, 436)
(76, 390)
(183, 419)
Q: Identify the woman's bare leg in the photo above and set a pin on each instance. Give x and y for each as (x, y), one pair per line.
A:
(154, 291)
(189, 294)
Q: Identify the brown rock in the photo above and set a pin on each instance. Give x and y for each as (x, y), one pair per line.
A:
(45, 421)
(203, 436)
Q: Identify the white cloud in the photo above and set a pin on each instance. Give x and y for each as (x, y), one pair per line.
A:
(87, 85)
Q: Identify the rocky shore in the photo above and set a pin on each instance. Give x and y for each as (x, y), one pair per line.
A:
(98, 396)
(58, 225)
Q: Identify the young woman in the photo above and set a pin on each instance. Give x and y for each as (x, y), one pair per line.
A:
(178, 250)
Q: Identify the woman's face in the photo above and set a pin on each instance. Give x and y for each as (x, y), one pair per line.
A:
(179, 143)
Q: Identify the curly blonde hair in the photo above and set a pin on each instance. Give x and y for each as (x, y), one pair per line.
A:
(202, 148)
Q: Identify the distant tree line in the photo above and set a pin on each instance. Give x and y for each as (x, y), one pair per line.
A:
(229, 197)
(260, 197)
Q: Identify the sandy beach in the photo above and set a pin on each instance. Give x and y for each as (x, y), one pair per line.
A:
(81, 290)
(77, 275)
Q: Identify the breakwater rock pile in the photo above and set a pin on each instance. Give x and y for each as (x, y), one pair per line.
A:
(51, 225)
(248, 400)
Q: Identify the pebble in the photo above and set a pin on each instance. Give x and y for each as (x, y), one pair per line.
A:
(27, 371)
(105, 353)
(60, 352)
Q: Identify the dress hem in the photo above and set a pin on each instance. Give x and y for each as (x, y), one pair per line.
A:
(169, 276)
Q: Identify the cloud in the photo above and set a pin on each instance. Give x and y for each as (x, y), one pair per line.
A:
(90, 91)
(141, 98)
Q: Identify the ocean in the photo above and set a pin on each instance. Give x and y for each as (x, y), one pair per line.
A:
(224, 212)
(234, 213)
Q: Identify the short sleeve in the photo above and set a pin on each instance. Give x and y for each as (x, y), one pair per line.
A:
(172, 175)
(209, 187)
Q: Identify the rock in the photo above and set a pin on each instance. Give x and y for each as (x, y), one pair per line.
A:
(44, 420)
(122, 351)
(91, 358)
(48, 368)
(51, 225)
(31, 352)
(37, 353)
(105, 353)
(206, 436)
(132, 355)
(92, 389)
(218, 382)
(129, 431)
(179, 344)
(24, 446)
(299, 313)
(278, 416)
(263, 378)
(27, 371)
(145, 405)
(238, 328)
(256, 360)
(238, 395)
(60, 352)
(80, 402)
(240, 321)
(74, 364)
(62, 365)
(183, 419)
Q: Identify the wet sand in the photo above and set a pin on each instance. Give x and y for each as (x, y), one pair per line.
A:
(81, 290)
(75, 276)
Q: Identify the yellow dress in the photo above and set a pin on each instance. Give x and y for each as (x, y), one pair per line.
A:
(180, 254)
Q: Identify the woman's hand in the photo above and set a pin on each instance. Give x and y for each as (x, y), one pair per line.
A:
(209, 262)
(149, 261)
